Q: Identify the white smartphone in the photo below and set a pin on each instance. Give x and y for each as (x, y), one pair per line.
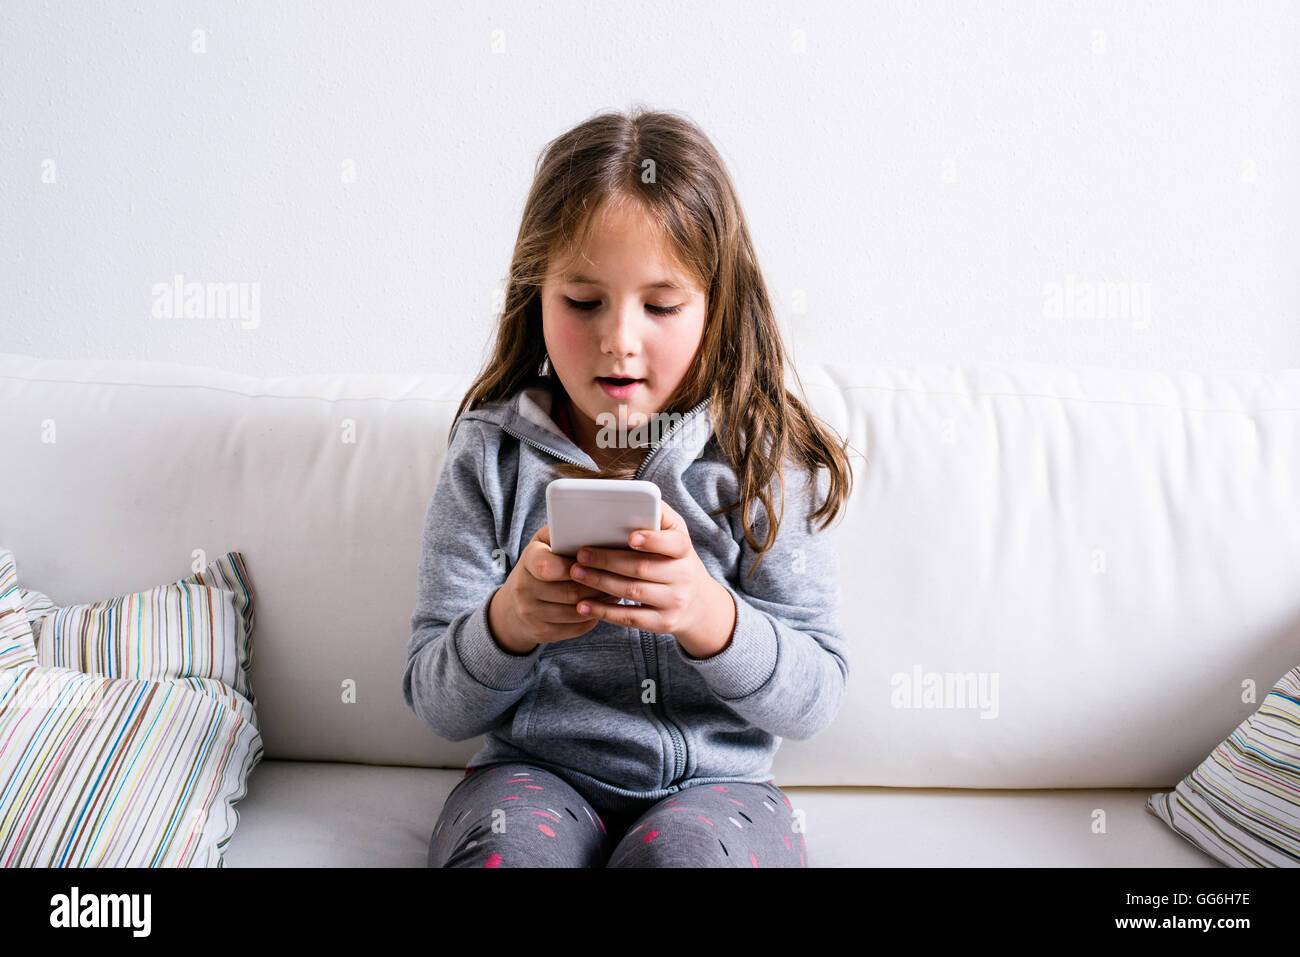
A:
(598, 512)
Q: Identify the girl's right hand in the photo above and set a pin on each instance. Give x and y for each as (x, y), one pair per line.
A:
(538, 602)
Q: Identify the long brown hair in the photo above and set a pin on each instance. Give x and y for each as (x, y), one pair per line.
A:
(665, 166)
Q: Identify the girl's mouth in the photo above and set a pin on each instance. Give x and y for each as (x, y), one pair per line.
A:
(620, 388)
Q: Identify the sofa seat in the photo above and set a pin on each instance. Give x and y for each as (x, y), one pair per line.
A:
(325, 814)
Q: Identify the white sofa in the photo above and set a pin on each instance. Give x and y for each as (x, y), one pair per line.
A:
(1119, 550)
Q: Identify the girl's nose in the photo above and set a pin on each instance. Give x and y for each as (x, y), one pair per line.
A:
(621, 336)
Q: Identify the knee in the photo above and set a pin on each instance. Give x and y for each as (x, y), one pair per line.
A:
(523, 837)
(686, 843)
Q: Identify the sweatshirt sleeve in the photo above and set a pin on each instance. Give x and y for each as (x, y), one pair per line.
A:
(458, 680)
(786, 668)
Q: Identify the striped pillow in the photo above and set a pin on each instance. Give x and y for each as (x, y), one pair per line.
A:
(115, 772)
(138, 771)
(197, 627)
(1242, 804)
(38, 606)
(16, 643)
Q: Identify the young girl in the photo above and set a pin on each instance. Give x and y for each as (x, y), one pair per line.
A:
(631, 700)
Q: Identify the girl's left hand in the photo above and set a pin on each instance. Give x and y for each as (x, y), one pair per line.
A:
(662, 572)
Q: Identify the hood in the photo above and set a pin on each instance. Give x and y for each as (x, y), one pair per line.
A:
(527, 416)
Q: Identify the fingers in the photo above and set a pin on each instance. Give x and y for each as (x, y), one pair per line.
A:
(672, 539)
(668, 517)
(630, 564)
(566, 593)
(553, 614)
(640, 590)
(601, 608)
(545, 565)
(671, 542)
(544, 595)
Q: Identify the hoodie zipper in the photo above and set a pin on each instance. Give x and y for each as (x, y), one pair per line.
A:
(648, 651)
(538, 445)
(664, 438)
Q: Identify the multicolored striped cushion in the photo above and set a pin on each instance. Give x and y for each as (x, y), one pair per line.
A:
(141, 770)
(38, 606)
(1242, 804)
(17, 645)
(115, 772)
(181, 630)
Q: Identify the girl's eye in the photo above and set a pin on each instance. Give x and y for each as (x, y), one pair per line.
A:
(585, 306)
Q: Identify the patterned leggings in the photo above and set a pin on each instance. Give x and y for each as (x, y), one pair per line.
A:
(516, 814)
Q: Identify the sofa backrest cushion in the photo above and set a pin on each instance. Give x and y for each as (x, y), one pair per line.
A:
(1051, 576)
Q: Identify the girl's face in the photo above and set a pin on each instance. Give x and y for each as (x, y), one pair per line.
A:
(638, 316)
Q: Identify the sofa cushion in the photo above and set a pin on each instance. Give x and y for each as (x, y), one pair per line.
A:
(1242, 803)
(1068, 531)
(327, 814)
(197, 627)
(38, 606)
(115, 772)
(16, 643)
(99, 770)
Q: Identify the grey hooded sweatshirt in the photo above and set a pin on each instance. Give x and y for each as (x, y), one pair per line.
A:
(623, 715)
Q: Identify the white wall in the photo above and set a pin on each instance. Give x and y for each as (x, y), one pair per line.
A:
(916, 175)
